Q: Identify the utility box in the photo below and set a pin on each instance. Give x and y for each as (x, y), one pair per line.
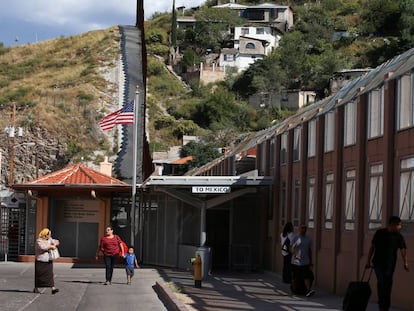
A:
(205, 254)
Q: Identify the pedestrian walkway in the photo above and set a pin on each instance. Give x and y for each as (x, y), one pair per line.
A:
(247, 291)
(81, 288)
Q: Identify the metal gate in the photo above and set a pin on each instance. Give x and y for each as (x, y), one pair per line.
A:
(12, 232)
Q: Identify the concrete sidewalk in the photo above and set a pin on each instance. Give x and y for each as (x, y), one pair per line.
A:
(247, 291)
(81, 288)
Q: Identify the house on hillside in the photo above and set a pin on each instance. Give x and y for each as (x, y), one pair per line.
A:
(288, 99)
(265, 26)
(277, 16)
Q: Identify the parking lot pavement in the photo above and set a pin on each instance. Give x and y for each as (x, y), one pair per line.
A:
(81, 288)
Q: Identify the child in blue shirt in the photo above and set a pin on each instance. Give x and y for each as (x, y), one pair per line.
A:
(130, 263)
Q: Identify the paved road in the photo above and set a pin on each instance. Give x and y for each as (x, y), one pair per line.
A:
(81, 288)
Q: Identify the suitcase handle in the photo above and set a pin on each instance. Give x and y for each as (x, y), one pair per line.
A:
(369, 276)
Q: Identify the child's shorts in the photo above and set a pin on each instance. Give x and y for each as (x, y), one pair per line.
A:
(129, 270)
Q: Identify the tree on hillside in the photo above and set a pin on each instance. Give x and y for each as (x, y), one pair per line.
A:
(219, 106)
(378, 17)
(294, 58)
(264, 75)
(201, 152)
(407, 24)
(211, 29)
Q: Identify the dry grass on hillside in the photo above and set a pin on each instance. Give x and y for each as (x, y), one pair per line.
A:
(58, 86)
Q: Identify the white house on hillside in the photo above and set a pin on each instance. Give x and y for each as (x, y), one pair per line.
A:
(263, 33)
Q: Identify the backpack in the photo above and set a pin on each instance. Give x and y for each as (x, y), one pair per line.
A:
(286, 247)
(124, 246)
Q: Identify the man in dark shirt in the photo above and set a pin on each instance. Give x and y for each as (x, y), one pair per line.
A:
(384, 247)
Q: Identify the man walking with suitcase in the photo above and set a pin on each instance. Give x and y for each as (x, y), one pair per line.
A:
(384, 247)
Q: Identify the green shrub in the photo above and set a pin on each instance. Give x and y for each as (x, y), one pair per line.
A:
(155, 68)
(164, 121)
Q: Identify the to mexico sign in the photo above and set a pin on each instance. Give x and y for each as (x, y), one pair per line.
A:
(210, 189)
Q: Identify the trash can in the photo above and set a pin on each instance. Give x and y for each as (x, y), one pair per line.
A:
(205, 254)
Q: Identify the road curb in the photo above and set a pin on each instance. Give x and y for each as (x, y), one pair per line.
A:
(168, 298)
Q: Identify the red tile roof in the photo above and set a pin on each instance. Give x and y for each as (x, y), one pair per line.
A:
(78, 174)
(182, 160)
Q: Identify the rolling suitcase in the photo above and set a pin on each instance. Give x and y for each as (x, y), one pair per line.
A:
(357, 294)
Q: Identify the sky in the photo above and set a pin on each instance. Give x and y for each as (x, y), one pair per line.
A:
(30, 21)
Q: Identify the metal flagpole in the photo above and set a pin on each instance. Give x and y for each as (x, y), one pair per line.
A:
(134, 166)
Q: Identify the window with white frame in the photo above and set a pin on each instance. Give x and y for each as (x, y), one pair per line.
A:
(329, 131)
(296, 143)
(311, 202)
(329, 193)
(350, 200)
(406, 198)
(405, 101)
(311, 138)
(350, 124)
(296, 196)
(244, 31)
(375, 113)
(229, 57)
(260, 31)
(375, 196)
(283, 148)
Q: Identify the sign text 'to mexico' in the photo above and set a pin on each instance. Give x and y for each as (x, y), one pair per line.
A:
(211, 189)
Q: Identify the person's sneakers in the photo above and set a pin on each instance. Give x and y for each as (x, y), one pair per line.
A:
(55, 290)
(36, 290)
(107, 283)
(311, 292)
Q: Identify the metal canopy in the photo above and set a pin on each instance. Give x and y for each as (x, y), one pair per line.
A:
(208, 181)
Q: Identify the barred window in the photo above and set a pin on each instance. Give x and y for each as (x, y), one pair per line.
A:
(283, 148)
(375, 196)
(405, 101)
(312, 138)
(296, 143)
(376, 113)
(406, 198)
(311, 202)
(350, 200)
(296, 196)
(329, 192)
(329, 131)
(350, 124)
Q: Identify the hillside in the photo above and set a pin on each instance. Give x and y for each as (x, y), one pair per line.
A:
(60, 89)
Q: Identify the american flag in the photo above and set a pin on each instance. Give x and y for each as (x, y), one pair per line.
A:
(124, 115)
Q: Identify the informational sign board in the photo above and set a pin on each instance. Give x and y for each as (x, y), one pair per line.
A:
(211, 189)
(79, 210)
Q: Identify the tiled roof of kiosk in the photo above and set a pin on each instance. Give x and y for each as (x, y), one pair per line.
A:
(78, 174)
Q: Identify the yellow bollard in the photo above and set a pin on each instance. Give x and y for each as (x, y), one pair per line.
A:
(197, 271)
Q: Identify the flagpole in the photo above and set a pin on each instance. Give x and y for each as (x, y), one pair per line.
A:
(134, 166)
